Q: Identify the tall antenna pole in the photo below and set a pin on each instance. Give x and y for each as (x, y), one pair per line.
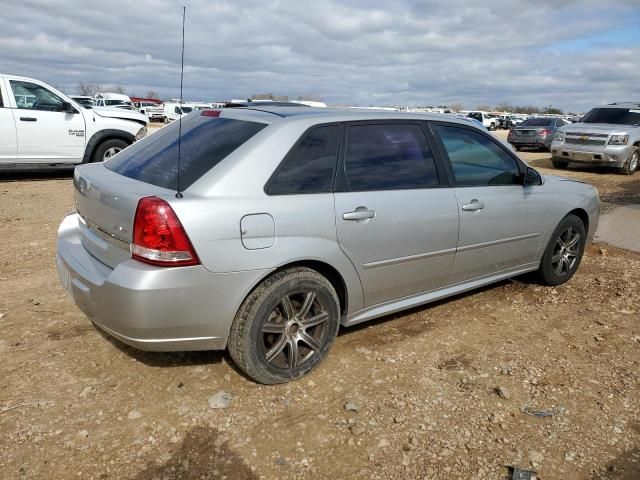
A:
(179, 193)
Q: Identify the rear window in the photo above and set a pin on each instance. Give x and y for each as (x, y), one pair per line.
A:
(537, 122)
(206, 141)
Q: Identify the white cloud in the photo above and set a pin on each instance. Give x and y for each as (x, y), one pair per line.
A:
(349, 51)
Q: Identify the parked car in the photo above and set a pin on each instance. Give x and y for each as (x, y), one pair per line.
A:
(490, 122)
(113, 100)
(83, 100)
(155, 111)
(536, 132)
(606, 136)
(172, 111)
(292, 221)
(41, 125)
(506, 122)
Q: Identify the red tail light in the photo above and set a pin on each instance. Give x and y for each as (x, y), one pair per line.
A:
(158, 236)
(544, 132)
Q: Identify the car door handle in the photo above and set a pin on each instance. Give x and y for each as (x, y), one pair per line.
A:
(28, 119)
(360, 213)
(475, 205)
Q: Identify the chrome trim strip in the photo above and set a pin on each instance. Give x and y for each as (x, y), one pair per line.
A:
(410, 258)
(103, 234)
(476, 246)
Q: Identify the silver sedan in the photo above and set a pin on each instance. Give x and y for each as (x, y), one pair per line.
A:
(262, 230)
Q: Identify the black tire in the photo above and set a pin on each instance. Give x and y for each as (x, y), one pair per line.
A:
(518, 148)
(560, 164)
(631, 165)
(113, 146)
(266, 309)
(564, 252)
(165, 120)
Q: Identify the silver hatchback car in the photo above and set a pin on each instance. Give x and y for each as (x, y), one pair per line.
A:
(264, 229)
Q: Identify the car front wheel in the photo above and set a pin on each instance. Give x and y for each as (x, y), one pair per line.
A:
(564, 251)
(108, 149)
(285, 327)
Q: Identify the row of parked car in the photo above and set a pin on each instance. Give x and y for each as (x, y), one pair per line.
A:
(155, 110)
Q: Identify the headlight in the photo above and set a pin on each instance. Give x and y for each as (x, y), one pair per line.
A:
(618, 139)
(559, 137)
(141, 133)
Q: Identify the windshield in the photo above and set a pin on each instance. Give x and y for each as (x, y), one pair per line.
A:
(619, 116)
(186, 109)
(537, 122)
(476, 116)
(205, 142)
(115, 102)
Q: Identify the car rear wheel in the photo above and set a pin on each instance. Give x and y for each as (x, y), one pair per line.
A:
(564, 252)
(108, 149)
(559, 164)
(285, 327)
(631, 165)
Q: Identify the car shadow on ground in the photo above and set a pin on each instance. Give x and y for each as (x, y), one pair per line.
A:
(628, 193)
(166, 359)
(36, 174)
(624, 467)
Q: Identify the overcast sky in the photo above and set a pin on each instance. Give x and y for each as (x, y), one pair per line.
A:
(569, 54)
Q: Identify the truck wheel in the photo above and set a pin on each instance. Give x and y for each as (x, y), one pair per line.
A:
(108, 149)
(165, 120)
(560, 164)
(285, 327)
(517, 147)
(631, 165)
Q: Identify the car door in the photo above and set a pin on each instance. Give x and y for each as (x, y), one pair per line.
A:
(45, 133)
(8, 137)
(501, 220)
(396, 218)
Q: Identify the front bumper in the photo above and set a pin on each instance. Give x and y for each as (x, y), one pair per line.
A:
(606, 155)
(151, 308)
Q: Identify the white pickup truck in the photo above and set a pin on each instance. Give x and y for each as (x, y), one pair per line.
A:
(41, 125)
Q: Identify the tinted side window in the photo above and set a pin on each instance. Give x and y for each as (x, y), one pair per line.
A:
(309, 166)
(206, 141)
(476, 160)
(388, 157)
(30, 96)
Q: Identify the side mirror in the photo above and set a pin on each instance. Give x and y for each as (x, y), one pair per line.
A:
(532, 177)
(67, 107)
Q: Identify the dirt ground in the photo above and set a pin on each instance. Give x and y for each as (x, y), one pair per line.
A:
(447, 391)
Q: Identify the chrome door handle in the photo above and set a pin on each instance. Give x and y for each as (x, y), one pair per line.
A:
(360, 213)
(473, 206)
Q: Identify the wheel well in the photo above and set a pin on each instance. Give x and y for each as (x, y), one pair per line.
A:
(582, 215)
(329, 273)
(100, 137)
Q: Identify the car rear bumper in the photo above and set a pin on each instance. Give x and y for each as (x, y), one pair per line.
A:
(529, 141)
(614, 156)
(151, 308)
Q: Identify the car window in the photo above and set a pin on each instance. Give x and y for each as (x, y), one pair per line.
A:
(309, 167)
(476, 159)
(388, 157)
(30, 96)
(1, 100)
(205, 142)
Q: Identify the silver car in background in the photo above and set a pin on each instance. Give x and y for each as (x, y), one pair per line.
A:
(537, 132)
(278, 225)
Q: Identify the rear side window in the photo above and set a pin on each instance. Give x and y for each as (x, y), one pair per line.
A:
(538, 122)
(309, 166)
(476, 160)
(205, 142)
(388, 157)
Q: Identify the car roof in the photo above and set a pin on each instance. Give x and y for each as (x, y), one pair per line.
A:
(322, 115)
(623, 105)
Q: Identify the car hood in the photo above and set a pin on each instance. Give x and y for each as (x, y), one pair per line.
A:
(607, 128)
(121, 113)
(555, 179)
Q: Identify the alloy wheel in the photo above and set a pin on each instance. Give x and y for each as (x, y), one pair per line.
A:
(110, 152)
(633, 161)
(294, 331)
(566, 252)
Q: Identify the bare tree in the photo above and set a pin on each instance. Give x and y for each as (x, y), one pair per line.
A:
(456, 107)
(88, 89)
(483, 107)
(505, 107)
(310, 97)
(119, 89)
(152, 94)
(270, 96)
